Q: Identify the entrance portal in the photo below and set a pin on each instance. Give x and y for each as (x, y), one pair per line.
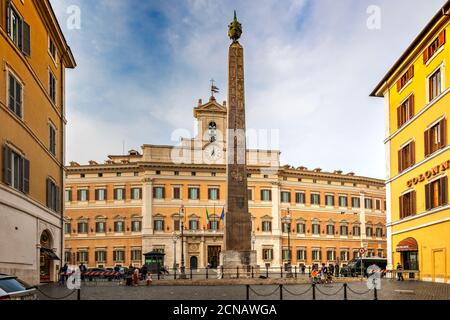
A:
(47, 257)
(214, 255)
(193, 262)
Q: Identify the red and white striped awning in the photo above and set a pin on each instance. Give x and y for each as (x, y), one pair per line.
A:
(408, 244)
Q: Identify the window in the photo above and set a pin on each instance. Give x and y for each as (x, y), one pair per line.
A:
(67, 228)
(301, 227)
(434, 85)
(316, 227)
(380, 253)
(331, 254)
(159, 193)
(136, 193)
(316, 254)
(214, 225)
(408, 75)
(83, 195)
(406, 157)
(100, 227)
(82, 227)
(407, 204)
(434, 47)
(119, 226)
(368, 203)
(370, 253)
(16, 170)
(193, 224)
(436, 193)
(344, 230)
(356, 230)
(330, 229)
(194, 193)
(135, 226)
(286, 227)
(285, 197)
(176, 224)
(100, 194)
(52, 48)
(213, 193)
(119, 255)
(82, 256)
(405, 111)
(267, 254)
(119, 194)
(136, 254)
(15, 95)
(301, 254)
(378, 204)
(53, 196)
(250, 194)
(100, 256)
(68, 195)
(267, 226)
(356, 202)
(52, 86)
(300, 197)
(344, 255)
(67, 257)
(369, 231)
(329, 200)
(159, 225)
(435, 137)
(379, 232)
(266, 195)
(52, 139)
(342, 201)
(355, 254)
(176, 193)
(193, 174)
(315, 199)
(285, 254)
(18, 30)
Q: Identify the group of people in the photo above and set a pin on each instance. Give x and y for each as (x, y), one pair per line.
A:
(135, 275)
(323, 274)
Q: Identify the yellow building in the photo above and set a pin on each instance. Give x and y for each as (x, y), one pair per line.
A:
(34, 56)
(417, 100)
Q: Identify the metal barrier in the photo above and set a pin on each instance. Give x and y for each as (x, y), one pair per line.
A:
(314, 288)
(412, 275)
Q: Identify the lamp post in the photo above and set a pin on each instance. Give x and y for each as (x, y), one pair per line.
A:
(253, 240)
(182, 269)
(287, 219)
(175, 239)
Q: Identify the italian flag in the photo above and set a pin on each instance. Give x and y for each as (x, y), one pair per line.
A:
(207, 219)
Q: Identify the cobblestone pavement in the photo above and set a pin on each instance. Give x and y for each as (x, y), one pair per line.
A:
(390, 290)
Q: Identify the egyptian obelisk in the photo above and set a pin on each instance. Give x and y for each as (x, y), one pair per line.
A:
(238, 224)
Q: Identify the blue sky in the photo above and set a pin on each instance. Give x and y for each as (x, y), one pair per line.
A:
(310, 66)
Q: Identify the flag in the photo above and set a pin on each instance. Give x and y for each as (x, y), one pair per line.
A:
(222, 216)
(214, 89)
(207, 219)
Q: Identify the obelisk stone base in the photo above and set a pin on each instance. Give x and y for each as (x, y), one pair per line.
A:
(240, 264)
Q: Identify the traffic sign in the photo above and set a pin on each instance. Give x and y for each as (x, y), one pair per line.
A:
(362, 251)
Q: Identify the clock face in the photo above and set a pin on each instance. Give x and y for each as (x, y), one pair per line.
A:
(213, 152)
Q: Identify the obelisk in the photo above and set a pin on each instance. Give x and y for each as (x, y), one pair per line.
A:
(238, 224)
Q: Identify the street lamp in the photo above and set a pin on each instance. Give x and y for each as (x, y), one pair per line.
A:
(253, 240)
(175, 239)
(287, 220)
(182, 269)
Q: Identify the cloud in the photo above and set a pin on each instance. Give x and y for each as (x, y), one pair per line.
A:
(310, 66)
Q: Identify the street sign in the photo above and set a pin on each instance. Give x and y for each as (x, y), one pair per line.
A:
(362, 251)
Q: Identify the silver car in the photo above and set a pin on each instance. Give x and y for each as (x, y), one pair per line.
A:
(12, 288)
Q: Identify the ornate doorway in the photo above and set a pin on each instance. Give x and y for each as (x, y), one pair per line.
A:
(214, 255)
(47, 257)
(193, 263)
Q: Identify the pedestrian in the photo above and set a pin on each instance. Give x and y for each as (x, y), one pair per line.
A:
(63, 274)
(323, 273)
(144, 272)
(303, 269)
(149, 279)
(399, 272)
(336, 268)
(331, 269)
(136, 277)
(83, 270)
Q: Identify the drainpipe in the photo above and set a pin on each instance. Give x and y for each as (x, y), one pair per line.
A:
(63, 160)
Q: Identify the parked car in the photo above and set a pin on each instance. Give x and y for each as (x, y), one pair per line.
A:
(12, 288)
(354, 267)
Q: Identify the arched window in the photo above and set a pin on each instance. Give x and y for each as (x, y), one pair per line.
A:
(212, 129)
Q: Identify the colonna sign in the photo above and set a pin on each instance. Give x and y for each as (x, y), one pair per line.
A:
(429, 173)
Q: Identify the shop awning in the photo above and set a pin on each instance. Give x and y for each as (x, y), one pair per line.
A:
(49, 253)
(408, 244)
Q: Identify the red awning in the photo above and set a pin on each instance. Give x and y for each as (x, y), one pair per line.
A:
(408, 244)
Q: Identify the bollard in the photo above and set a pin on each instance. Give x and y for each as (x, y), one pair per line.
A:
(190, 272)
(78, 294)
(237, 272)
(206, 273)
(252, 273)
(281, 269)
(314, 291)
(248, 292)
(345, 291)
(375, 293)
(281, 292)
(295, 271)
(175, 273)
(267, 271)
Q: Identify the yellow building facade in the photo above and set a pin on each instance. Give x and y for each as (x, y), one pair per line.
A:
(34, 56)
(416, 95)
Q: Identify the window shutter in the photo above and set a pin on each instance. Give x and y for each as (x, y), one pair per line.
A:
(218, 194)
(49, 188)
(443, 132)
(428, 196)
(154, 193)
(443, 188)
(270, 195)
(26, 176)
(96, 194)
(427, 142)
(412, 150)
(425, 56)
(26, 39)
(442, 38)
(7, 170)
(58, 199)
(411, 72)
(164, 192)
(399, 116)
(106, 194)
(399, 85)
(413, 203)
(78, 195)
(400, 161)
(20, 34)
(8, 15)
(411, 106)
(87, 194)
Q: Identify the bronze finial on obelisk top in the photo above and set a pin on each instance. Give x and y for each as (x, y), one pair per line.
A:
(235, 29)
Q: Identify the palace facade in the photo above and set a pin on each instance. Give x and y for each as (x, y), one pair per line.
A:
(416, 100)
(34, 56)
(139, 202)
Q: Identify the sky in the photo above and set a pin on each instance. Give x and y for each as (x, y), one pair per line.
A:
(310, 66)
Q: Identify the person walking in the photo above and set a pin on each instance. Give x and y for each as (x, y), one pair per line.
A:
(303, 269)
(136, 277)
(83, 270)
(144, 272)
(336, 268)
(399, 272)
(63, 274)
